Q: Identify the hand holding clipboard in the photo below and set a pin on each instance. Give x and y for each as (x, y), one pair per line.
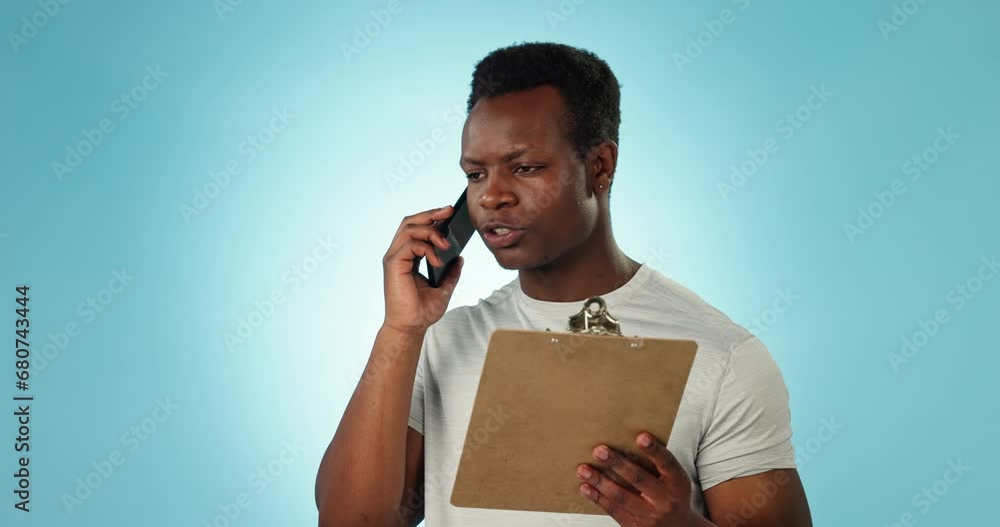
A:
(528, 463)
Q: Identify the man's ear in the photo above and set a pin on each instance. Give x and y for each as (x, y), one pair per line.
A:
(602, 161)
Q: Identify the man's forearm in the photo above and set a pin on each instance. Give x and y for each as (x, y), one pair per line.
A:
(361, 477)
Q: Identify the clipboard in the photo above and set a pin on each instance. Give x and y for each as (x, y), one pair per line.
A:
(533, 422)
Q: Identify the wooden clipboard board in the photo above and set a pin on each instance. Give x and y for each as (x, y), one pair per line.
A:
(534, 420)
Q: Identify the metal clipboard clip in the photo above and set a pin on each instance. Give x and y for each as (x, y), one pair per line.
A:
(599, 321)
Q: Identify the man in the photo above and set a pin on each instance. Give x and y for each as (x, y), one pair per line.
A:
(539, 148)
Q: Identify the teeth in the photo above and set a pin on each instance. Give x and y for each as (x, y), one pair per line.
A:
(501, 230)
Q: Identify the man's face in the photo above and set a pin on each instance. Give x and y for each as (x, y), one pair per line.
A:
(528, 193)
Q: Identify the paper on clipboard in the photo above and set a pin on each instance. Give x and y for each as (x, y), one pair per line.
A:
(529, 463)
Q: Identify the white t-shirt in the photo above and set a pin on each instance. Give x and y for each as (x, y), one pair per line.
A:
(733, 420)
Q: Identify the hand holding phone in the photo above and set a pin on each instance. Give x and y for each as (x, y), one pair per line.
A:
(457, 229)
(411, 304)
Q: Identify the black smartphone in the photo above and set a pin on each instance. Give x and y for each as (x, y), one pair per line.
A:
(458, 230)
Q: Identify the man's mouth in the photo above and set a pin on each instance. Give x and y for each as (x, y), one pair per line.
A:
(501, 236)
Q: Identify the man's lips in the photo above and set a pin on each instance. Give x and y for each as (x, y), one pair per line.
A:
(500, 235)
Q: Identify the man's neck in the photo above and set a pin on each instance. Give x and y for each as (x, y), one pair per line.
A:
(576, 277)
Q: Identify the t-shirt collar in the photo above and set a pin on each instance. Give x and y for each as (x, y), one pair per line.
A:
(565, 309)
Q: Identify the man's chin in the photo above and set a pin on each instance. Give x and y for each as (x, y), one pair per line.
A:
(514, 259)
(509, 263)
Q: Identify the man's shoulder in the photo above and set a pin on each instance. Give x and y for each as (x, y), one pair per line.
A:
(669, 308)
(485, 312)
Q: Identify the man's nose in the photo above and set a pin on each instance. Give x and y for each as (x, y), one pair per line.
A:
(498, 192)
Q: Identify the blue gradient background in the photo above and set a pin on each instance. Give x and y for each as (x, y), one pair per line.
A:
(323, 177)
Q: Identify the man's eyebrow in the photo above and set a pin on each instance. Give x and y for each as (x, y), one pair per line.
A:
(512, 155)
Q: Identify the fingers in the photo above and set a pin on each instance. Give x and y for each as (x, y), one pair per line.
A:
(414, 231)
(426, 217)
(616, 511)
(658, 499)
(418, 227)
(616, 495)
(401, 261)
(416, 237)
(645, 482)
(429, 215)
(665, 462)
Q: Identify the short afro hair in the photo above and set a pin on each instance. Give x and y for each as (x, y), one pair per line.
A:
(589, 89)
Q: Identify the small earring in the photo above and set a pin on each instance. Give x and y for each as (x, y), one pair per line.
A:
(600, 187)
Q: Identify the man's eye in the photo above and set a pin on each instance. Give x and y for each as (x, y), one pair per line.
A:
(527, 168)
(473, 176)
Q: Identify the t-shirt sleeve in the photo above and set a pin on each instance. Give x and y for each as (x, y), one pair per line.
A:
(749, 430)
(417, 399)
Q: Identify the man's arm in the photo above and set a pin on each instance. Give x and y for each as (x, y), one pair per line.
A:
(770, 499)
(411, 509)
(371, 470)
(746, 462)
(662, 497)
